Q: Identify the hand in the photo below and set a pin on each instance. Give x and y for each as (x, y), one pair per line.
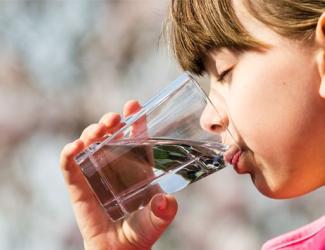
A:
(142, 228)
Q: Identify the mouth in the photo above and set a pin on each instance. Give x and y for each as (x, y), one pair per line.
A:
(233, 157)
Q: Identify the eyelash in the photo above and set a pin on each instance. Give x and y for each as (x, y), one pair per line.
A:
(223, 75)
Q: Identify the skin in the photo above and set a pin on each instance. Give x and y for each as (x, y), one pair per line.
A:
(273, 103)
(141, 229)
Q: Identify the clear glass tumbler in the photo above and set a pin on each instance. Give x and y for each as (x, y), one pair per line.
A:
(161, 148)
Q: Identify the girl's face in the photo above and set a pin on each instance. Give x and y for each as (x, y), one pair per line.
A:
(270, 100)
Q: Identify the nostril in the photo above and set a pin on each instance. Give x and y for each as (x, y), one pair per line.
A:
(214, 127)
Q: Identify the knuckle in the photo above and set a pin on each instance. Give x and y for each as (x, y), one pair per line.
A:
(88, 130)
(92, 127)
(110, 119)
(66, 152)
(65, 156)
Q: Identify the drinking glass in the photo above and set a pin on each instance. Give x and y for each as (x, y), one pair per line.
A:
(161, 149)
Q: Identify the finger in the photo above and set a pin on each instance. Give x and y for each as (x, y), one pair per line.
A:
(144, 227)
(138, 128)
(110, 120)
(87, 210)
(113, 123)
(77, 187)
(131, 107)
(67, 163)
(92, 133)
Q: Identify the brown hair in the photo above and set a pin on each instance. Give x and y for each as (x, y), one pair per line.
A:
(195, 27)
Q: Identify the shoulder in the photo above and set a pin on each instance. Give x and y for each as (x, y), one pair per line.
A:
(311, 236)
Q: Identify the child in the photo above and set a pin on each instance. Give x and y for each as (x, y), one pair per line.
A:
(266, 63)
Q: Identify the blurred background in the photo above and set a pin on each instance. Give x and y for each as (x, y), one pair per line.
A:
(62, 65)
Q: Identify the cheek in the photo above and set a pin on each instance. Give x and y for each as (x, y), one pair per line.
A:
(270, 108)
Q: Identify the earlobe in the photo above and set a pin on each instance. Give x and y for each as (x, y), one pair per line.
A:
(320, 38)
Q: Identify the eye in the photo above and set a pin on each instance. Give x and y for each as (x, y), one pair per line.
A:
(223, 75)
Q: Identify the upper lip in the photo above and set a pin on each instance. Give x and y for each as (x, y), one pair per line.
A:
(236, 155)
(232, 155)
(240, 159)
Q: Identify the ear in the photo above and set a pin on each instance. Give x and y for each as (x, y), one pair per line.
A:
(320, 38)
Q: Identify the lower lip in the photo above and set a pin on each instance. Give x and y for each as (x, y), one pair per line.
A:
(237, 164)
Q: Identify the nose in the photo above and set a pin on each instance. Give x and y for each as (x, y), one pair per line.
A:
(214, 119)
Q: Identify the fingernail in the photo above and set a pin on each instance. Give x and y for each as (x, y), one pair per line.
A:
(161, 202)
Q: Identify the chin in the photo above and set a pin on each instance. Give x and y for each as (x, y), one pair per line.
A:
(276, 190)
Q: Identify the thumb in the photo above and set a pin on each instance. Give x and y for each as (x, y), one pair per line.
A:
(163, 210)
(143, 228)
